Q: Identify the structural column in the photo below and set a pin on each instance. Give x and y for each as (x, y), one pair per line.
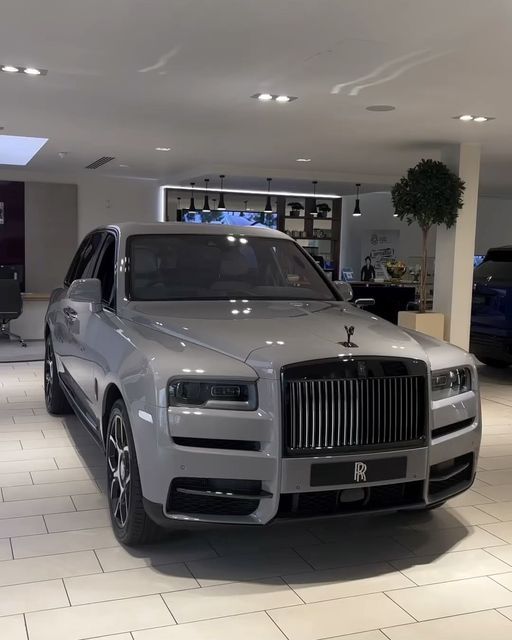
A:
(455, 248)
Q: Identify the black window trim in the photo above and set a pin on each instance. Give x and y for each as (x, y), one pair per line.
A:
(83, 244)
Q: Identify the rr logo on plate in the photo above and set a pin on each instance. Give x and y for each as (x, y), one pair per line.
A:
(360, 472)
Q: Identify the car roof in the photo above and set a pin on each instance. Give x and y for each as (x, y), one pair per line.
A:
(147, 228)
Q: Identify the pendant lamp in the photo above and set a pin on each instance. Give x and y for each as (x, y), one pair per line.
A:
(206, 205)
(314, 211)
(268, 205)
(192, 206)
(222, 206)
(357, 208)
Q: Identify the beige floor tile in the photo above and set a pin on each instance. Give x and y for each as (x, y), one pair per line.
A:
(33, 596)
(50, 490)
(88, 501)
(339, 617)
(42, 419)
(93, 620)
(5, 549)
(65, 542)
(500, 493)
(10, 445)
(452, 598)
(500, 510)
(503, 553)
(13, 628)
(9, 436)
(40, 506)
(451, 566)
(366, 635)
(501, 476)
(47, 443)
(504, 579)
(251, 626)
(247, 539)
(425, 543)
(62, 475)
(448, 517)
(467, 499)
(501, 530)
(14, 479)
(229, 599)
(117, 636)
(496, 450)
(239, 567)
(62, 565)
(177, 549)
(346, 581)
(10, 527)
(507, 611)
(84, 460)
(77, 520)
(18, 466)
(353, 551)
(37, 454)
(493, 464)
(129, 583)
(471, 626)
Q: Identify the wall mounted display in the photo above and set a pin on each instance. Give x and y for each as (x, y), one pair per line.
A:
(239, 218)
(381, 246)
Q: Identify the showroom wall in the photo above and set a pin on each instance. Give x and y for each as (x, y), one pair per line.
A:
(494, 223)
(377, 215)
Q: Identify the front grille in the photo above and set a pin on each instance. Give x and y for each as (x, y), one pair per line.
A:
(360, 404)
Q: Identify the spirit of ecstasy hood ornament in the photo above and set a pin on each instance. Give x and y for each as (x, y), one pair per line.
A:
(350, 332)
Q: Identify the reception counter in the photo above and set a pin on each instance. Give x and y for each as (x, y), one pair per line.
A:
(390, 297)
(30, 325)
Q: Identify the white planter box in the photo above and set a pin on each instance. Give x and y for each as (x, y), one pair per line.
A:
(430, 323)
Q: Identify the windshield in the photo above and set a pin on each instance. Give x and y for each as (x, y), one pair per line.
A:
(221, 267)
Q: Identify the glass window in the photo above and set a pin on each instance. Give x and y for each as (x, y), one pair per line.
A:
(220, 267)
(497, 266)
(105, 271)
(85, 258)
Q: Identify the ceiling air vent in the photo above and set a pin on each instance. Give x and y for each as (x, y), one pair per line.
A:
(100, 162)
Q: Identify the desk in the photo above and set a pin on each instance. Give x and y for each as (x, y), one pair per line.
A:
(390, 298)
(30, 325)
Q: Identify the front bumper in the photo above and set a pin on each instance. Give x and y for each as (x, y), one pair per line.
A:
(187, 474)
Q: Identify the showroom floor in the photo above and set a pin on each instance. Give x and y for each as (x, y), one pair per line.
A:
(405, 577)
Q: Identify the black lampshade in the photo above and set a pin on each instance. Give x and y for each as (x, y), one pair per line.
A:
(206, 205)
(222, 206)
(192, 206)
(268, 204)
(357, 208)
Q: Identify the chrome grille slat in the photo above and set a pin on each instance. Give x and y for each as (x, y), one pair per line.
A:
(354, 412)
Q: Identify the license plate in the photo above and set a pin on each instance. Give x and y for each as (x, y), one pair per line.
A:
(358, 471)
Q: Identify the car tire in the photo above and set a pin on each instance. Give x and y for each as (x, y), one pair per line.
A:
(492, 362)
(132, 526)
(55, 400)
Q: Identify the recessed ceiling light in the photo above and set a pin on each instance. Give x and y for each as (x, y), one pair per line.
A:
(380, 107)
(265, 97)
(481, 119)
(303, 159)
(269, 97)
(466, 118)
(10, 69)
(32, 71)
(162, 148)
(282, 99)
(123, 166)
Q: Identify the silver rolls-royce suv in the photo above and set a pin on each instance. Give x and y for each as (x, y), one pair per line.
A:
(228, 380)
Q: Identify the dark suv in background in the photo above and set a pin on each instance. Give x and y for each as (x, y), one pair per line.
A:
(491, 315)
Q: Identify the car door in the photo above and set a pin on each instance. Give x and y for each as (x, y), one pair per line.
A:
(72, 320)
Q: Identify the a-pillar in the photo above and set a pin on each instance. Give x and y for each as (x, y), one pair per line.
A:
(455, 248)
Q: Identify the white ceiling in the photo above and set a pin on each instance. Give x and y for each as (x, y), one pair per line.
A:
(125, 76)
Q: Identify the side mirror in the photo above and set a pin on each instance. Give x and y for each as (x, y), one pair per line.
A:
(87, 290)
(344, 289)
(364, 302)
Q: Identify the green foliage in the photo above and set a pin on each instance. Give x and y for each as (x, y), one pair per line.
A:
(429, 195)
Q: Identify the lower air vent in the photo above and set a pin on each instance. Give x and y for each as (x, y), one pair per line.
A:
(100, 162)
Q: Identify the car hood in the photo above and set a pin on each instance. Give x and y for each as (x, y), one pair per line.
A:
(268, 335)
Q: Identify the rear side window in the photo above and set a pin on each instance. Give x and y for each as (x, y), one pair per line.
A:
(496, 266)
(85, 258)
(105, 271)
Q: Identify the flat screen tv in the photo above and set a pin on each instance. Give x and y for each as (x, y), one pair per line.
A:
(239, 218)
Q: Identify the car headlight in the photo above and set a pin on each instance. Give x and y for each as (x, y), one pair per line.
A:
(213, 394)
(451, 382)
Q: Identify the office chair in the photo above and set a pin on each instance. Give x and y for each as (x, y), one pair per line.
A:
(11, 306)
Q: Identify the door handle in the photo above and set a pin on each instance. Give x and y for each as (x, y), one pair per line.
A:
(70, 314)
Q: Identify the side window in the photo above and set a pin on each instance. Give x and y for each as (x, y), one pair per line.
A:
(70, 276)
(105, 271)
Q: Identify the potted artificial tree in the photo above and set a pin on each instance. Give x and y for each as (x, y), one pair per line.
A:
(429, 195)
(295, 209)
